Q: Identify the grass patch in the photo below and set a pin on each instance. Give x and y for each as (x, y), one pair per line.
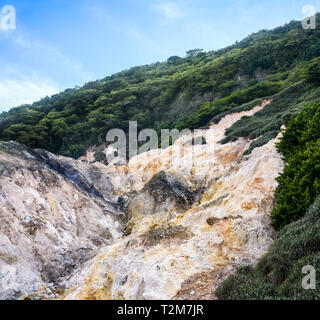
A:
(266, 124)
(278, 275)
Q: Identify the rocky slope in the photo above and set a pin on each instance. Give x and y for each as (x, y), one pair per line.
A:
(55, 214)
(196, 212)
(171, 223)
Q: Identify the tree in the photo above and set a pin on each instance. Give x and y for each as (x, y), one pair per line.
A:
(299, 184)
(194, 53)
(173, 59)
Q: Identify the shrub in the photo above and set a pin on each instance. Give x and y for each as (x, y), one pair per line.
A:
(299, 183)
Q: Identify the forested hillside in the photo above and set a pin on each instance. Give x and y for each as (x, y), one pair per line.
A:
(187, 92)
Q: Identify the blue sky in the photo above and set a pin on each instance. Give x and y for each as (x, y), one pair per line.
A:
(59, 44)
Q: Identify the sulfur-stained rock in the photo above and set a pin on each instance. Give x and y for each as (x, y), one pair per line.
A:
(173, 248)
(192, 212)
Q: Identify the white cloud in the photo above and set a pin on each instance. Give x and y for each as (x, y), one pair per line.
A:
(16, 92)
(36, 63)
(169, 10)
(34, 58)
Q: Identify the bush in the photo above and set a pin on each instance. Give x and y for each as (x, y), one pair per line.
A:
(299, 183)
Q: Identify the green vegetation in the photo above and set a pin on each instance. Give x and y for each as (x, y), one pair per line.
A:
(278, 274)
(211, 110)
(265, 124)
(300, 182)
(313, 71)
(187, 92)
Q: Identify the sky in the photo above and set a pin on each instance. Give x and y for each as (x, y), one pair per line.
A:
(60, 44)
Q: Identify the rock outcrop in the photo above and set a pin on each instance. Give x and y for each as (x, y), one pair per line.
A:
(170, 223)
(55, 214)
(197, 212)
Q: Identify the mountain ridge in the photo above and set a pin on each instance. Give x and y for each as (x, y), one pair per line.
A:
(180, 93)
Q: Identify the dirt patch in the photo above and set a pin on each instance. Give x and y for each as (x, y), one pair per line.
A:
(213, 220)
(8, 258)
(247, 206)
(155, 236)
(202, 285)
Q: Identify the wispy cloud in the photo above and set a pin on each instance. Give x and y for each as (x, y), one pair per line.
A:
(18, 92)
(169, 10)
(28, 77)
(36, 48)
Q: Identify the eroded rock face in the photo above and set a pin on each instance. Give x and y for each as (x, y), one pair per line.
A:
(173, 248)
(168, 224)
(165, 196)
(53, 218)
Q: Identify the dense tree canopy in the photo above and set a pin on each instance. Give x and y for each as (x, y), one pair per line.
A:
(182, 92)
